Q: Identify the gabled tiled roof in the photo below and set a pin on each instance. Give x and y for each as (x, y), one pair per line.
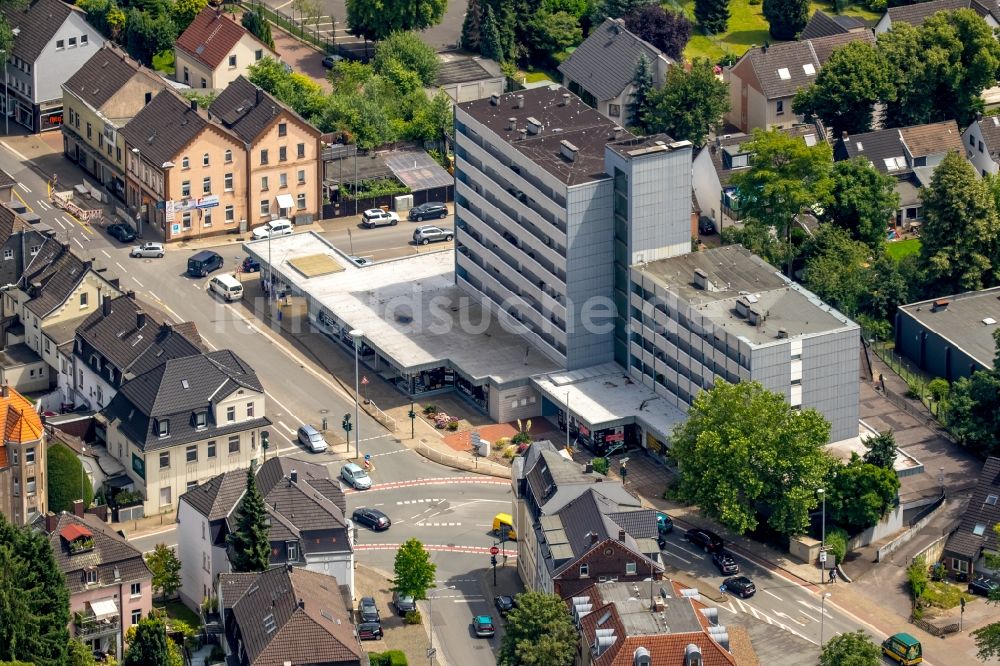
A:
(975, 532)
(218, 496)
(36, 23)
(51, 277)
(989, 128)
(822, 24)
(916, 14)
(165, 126)
(212, 35)
(20, 422)
(605, 63)
(291, 614)
(111, 553)
(825, 46)
(105, 74)
(810, 133)
(932, 139)
(888, 144)
(555, 481)
(248, 110)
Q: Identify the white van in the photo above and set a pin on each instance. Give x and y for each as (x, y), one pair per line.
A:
(227, 286)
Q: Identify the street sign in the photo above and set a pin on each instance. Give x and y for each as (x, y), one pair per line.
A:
(822, 557)
(364, 380)
(431, 652)
(494, 550)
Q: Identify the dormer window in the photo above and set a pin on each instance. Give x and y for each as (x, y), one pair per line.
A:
(200, 420)
(584, 570)
(163, 427)
(90, 576)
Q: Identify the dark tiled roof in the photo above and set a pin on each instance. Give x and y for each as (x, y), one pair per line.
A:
(812, 134)
(825, 46)
(291, 614)
(110, 553)
(915, 15)
(105, 74)
(52, 276)
(212, 35)
(64, 331)
(588, 514)
(37, 24)
(605, 63)
(932, 139)
(639, 524)
(989, 128)
(217, 497)
(981, 515)
(461, 70)
(234, 585)
(165, 126)
(248, 110)
(888, 144)
(821, 24)
(113, 331)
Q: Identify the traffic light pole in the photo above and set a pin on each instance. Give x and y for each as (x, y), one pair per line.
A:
(265, 442)
(347, 426)
(413, 420)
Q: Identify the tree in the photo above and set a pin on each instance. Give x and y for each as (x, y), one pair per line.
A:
(712, 15)
(847, 88)
(861, 200)
(411, 52)
(785, 177)
(554, 32)
(254, 21)
(881, 450)
(79, 654)
(539, 632)
(987, 641)
(34, 601)
(378, 20)
(67, 480)
(602, 9)
(146, 35)
(643, 82)
(148, 647)
(250, 549)
(472, 26)
(414, 571)
(689, 105)
(835, 269)
(490, 43)
(961, 228)
(746, 456)
(851, 649)
(859, 494)
(300, 92)
(973, 412)
(668, 31)
(786, 18)
(166, 570)
(185, 12)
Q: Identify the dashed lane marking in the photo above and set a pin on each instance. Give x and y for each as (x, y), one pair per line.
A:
(772, 594)
(16, 154)
(420, 523)
(24, 187)
(77, 241)
(418, 501)
(428, 482)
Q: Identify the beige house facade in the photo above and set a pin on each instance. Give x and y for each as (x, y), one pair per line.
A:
(215, 50)
(23, 459)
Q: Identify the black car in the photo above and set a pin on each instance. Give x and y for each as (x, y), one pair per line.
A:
(368, 611)
(370, 631)
(741, 586)
(403, 603)
(504, 604)
(709, 541)
(428, 211)
(725, 563)
(983, 586)
(706, 227)
(122, 232)
(373, 518)
(250, 265)
(331, 60)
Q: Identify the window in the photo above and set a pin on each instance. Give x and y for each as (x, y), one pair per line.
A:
(234, 443)
(779, 107)
(186, 188)
(204, 83)
(584, 570)
(630, 568)
(979, 529)
(163, 427)
(797, 382)
(60, 44)
(72, 42)
(293, 551)
(89, 131)
(282, 154)
(83, 300)
(185, 163)
(164, 459)
(282, 180)
(91, 575)
(165, 496)
(228, 182)
(204, 555)
(186, 74)
(300, 201)
(972, 141)
(232, 61)
(210, 450)
(206, 218)
(136, 616)
(136, 589)
(301, 176)
(205, 160)
(29, 456)
(186, 220)
(981, 146)
(249, 410)
(614, 110)
(84, 39)
(959, 565)
(230, 214)
(191, 453)
(263, 183)
(265, 207)
(991, 500)
(282, 129)
(230, 414)
(300, 150)
(206, 185)
(258, 54)
(263, 156)
(30, 486)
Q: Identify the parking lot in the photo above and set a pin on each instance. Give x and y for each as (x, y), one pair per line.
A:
(387, 242)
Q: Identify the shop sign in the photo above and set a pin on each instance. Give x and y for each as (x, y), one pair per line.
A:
(615, 437)
(584, 430)
(139, 466)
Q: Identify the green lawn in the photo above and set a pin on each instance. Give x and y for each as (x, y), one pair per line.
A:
(944, 595)
(164, 62)
(177, 610)
(899, 249)
(747, 27)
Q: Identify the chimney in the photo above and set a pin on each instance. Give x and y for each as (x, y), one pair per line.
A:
(565, 99)
(5, 390)
(130, 294)
(511, 124)
(78, 508)
(621, 534)
(519, 102)
(302, 603)
(534, 126)
(523, 133)
(593, 537)
(753, 316)
(257, 93)
(294, 475)
(495, 99)
(140, 319)
(782, 333)
(700, 279)
(843, 136)
(940, 304)
(106, 306)
(568, 150)
(148, 98)
(194, 105)
(979, 115)
(51, 519)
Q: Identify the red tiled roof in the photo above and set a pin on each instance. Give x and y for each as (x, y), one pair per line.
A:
(74, 531)
(19, 421)
(668, 649)
(211, 36)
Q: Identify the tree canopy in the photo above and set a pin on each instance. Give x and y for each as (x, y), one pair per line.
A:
(166, 568)
(747, 457)
(667, 30)
(712, 15)
(148, 646)
(414, 571)
(851, 649)
(407, 49)
(67, 480)
(377, 19)
(835, 269)
(786, 18)
(250, 549)
(539, 632)
(689, 105)
(254, 21)
(973, 412)
(859, 494)
(861, 200)
(881, 450)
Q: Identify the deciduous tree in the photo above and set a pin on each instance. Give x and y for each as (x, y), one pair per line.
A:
(861, 201)
(67, 480)
(668, 31)
(689, 105)
(746, 456)
(973, 412)
(603, 9)
(250, 549)
(835, 269)
(712, 16)
(539, 632)
(987, 641)
(166, 568)
(377, 19)
(148, 646)
(553, 32)
(786, 18)
(851, 649)
(414, 571)
(78, 654)
(859, 494)
(882, 450)
(410, 51)
(185, 12)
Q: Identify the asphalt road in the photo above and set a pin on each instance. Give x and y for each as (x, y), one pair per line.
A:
(381, 243)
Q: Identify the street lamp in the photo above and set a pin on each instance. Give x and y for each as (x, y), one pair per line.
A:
(138, 208)
(430, 623)
(822, 618)
(822, 539)
(357, 336)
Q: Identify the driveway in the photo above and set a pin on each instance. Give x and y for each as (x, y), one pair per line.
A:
(300, 57)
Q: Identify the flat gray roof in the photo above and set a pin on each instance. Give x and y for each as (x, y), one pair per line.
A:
(963, 322)
(632, 602)
(410, 310)
(734, 272)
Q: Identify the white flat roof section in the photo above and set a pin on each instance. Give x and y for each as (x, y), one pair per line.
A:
(409, 309)
(605, 396)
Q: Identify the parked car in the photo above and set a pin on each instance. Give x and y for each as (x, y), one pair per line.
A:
(370, 631)
(664, 524)
(483, 626)
(983, 586)
(425, 235)
(122, 232)
(311, 438)
(147, 250)
(403, 603)
(331, 60)
(903, 648)
(428, 211)
(204, 262)
(504, 604)
(355, 476)
(226, 286)
(376, 217)
(373, 518)
(725, 563)
(250, 265)
(709, 541)
(272, 229)
(741, 586)
(706, 227)
(368, 611)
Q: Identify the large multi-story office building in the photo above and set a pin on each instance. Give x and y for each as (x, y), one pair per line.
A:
(554, 202)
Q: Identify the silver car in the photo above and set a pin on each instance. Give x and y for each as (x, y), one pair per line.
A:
(355, 476)
(147, 250)
(311, 438)
(425, 235)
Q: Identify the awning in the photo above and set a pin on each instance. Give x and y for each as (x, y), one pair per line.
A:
(285, 201)
(104, 608)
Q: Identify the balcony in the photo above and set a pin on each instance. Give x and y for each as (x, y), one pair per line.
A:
(88, 626)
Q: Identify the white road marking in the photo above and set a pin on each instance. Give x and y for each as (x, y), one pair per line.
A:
(418, 501)
(290, 431)
(119, 266)
(457, 580)
(789, 618)
(171, 546)
(24, 187)
(155, 297)
(673, 554)
(105, 253)
(814, 619)
(772, 594)
(59, 222)
(139, 283)
(387, 453)
(423, 524)
(16, 154)
(81, 244)
(158, 532)
(700, 556)
(44, 205)
(815, 608)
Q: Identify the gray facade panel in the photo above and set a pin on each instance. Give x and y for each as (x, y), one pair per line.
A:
(589, 272)
(771, 366)
(931, 352)
(830, 379)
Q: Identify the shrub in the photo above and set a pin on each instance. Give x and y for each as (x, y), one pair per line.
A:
(938, 572)
(509, 452)
(413, 617)
(600, 465)
(378, 659)
(938, 388)
(218, 654)
(916, 574)
(396, 657)
(453, 426)
(836, 543)
(521, 438)
(430, 409)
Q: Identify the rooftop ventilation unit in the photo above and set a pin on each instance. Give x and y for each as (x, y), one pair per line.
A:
(568, 150)
(534, 126)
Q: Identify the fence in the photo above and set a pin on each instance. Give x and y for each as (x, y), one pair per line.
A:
(372, 410)
(320, 31)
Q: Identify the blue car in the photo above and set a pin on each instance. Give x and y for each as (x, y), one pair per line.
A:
(663, 523)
